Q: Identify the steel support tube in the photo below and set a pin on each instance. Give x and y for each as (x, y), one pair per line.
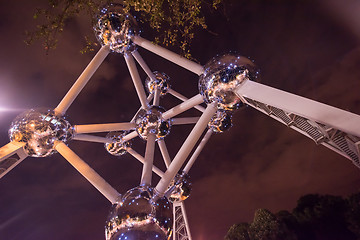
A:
(92, 138)
(141, 159)
(198, 150)
(149, 160)
(130, 136)
(136, 80)
(172, 57)
(82, 81)
(181, 121)
(106, 127)
(84, 169)
(156, 101)
(183, 98)
(164, 152)
(185, 150)
(182, 107)
(143, 65)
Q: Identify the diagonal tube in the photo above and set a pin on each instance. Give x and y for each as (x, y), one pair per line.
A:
(164, 152)
(183, 98)
(82, 81)
(143, 65)
(106, 127)
(84, 169)
(141, 159)
(198, 150)
(172, 57)
(185, 150)
(136, 80)
(182, 107)
(130, 136)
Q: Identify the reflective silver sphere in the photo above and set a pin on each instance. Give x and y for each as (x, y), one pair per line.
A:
(137, 217)
(180, 188)
(118, 147)
(115, 27)
(150, 122)
(39, 129)
(222, 75)
(220, 122)
(161, 82)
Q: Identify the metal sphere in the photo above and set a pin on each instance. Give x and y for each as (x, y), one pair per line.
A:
(222, 76)
(118, 147)
(161, 82)
(151, 122)
(220, 122)
(180, 188)
(137, 216)
(39, 129)
(115, 27)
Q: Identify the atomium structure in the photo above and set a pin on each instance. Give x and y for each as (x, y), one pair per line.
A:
(226, 83)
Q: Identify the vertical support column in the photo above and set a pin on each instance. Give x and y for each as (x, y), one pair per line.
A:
(149, 160)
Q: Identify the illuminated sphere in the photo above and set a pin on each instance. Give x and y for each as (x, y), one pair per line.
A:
(180, 188)
(161, 82)
(39, 129)
(151, 122)
(220, 122)
(115, 27)
(137, 217)
(222, 75)
(118, 147)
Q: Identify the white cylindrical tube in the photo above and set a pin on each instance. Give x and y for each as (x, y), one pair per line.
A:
(149, 160)
(172, 57)
(129, 136)
(164, 152)
(156, 97)
(198, 150)
(92, 138)
(81, 81)
(143, 65)
(141, 159)
(185, 149)
(136, 79)
(187, 120)
(182, 107)
(106, 127)
(84, 169)
(183, 98)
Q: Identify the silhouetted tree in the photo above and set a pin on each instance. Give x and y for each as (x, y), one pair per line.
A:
(173, 21)
(316, 217)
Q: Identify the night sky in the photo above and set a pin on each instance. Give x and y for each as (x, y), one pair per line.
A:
(310, 48)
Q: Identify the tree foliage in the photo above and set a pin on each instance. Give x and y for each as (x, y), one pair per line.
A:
(173, 22)
(316, 217)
